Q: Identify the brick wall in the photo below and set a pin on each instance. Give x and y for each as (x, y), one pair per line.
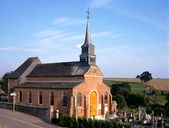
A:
(58, 98)
(93, 82)
(12, 83)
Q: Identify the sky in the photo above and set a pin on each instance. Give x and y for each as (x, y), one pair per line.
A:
(130, 36)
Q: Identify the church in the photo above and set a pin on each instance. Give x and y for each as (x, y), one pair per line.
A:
(75, 88)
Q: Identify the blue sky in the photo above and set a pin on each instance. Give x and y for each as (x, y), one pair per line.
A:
(130, 36)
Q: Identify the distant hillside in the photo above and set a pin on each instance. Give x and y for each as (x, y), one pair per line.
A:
(158, 84)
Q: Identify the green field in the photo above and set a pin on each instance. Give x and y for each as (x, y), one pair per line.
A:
(138, 87)
(158, 83)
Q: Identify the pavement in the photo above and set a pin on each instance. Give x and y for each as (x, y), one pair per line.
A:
(14, 119)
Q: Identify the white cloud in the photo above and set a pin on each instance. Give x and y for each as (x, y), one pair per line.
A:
(46, 40)
(52, 38)
(9, 49)
(106, 34)
(99, 3)
(47, 33)
(20, 49)
(73, 37)
(95, 35)
(66, 21)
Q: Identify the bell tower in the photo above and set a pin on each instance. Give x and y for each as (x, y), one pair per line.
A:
(87, 53)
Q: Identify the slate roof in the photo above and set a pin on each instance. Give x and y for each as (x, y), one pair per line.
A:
(60, 69)
(51, 85)
(21, 69)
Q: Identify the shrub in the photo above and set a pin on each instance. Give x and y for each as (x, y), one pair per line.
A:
(120, 101)
(126, 126)
(167, 111)
(158, 109)
(80, 123)
(90, 123)
(100, 124)
(96, 124)
(62, 121)
(113, 123)
(135, 100)
(55, 121)
(121, 88)
(67, 121)
(73, 122)
(107, 124)
(84, 121)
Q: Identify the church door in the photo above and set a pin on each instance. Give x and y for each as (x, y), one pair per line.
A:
(93, 103)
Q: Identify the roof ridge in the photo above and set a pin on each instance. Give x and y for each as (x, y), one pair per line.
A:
(60, 63)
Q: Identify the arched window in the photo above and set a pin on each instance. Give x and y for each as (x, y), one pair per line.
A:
(52, 98)
(40, 97)
(79, 99)
(30, 96)
(106, 98)
(64, 99)
(20, 96)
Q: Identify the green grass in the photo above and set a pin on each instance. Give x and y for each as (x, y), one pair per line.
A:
(140, 88)
(137, 89)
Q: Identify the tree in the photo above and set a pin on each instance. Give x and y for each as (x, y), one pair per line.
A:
(120, 101)
(146, 76)
(138, 76)
(167, 97)
(158, 109)
(5, 82)
(123, 89)
(136, 100)
(167, 105)
(167, 111)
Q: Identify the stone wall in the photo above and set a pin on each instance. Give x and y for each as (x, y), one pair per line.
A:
(42, 113)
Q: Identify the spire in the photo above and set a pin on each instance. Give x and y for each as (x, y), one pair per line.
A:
(88, 56)
(87, 36)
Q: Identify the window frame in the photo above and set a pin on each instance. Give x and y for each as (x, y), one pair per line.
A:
(20, 96)
(40, 98)
(105, 98)
(79, 99)
(64, 99)
(52, 98)
(30, 97)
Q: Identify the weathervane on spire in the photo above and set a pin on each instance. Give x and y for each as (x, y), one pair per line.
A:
(88, 13)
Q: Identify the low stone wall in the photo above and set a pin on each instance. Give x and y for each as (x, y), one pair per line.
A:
(6, 105)
(42, 113)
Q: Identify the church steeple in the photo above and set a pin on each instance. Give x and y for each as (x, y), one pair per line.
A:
(87, 36)
(87, 54)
